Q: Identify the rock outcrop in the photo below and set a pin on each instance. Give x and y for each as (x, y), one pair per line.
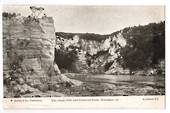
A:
(93, 55)
(28, 51)
(126, 51)
(34, 55)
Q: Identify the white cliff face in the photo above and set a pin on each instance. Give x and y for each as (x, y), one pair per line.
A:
(106, 44)
(29, 49)
(106, 50)
(92, 47)
(121, 40)
(69, 42)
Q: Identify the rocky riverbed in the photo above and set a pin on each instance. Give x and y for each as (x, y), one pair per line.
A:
(104, 85)
(121, 85)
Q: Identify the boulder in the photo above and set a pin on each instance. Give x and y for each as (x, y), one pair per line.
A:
(27, 89)
(72, 81)
(20, 81)
(108, 86)
(43, 87)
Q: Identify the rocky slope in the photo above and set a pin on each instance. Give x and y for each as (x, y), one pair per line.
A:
(34, 55)
(138, 48)
(97, 52)
(28, 54)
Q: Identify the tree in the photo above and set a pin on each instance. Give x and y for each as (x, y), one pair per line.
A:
(36, 11)
(145, 46)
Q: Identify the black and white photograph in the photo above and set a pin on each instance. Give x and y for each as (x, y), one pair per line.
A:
(83, 51)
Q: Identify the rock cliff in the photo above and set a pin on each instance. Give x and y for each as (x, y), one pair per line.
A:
(34, 55)
(132, 49)
(95, 53)
(28, 52)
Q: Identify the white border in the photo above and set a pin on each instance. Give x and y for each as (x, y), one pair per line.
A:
(100, 102)
(97, 2)
(88, 2)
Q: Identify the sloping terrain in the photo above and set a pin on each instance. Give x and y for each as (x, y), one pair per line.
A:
(39, 62)
(138, 49)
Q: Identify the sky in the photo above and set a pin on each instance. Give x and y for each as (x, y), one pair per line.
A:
(95, 19)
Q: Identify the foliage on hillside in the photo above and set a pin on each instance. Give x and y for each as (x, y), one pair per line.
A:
(64, 58)
(145, 46)
(87, 36)
(9, 15)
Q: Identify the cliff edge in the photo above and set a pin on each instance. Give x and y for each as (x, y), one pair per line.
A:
(28, 54)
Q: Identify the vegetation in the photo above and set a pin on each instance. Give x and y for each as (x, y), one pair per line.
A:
(64, 59)
(9, 15)
(87, 36)
(107, 65)
(145, 46)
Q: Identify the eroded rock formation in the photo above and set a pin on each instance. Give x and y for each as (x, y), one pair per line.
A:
(28, 52)
(33, 55)
(93, 55)
(127, 51)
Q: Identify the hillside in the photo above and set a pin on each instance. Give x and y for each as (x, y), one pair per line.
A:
(39, 62)
(130, 49)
